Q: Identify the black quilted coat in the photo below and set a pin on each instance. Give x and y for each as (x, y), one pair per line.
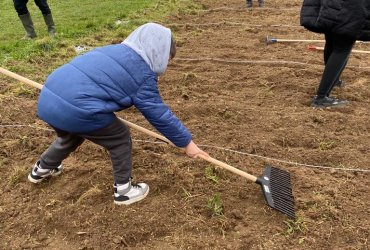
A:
(350, 18)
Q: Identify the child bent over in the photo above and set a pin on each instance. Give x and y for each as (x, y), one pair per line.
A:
(79, 100)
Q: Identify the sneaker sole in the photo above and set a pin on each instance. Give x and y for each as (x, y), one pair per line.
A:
(128, 202)
(329, 106)
(33, 180)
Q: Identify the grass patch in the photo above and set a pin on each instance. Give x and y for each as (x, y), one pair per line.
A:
(215, 205)
(211, 175)
(92, 192)
(89, 23)
(21, 90)
(16, 175)
(326, 145)
(295, 226)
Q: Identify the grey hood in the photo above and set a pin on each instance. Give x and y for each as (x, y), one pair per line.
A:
(152, 42)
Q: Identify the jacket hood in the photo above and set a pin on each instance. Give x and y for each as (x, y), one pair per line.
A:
(152, 42)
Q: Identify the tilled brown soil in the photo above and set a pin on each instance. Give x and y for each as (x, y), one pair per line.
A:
(233, 92)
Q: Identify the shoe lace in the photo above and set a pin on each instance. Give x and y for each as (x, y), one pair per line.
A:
(133, 185)
(136, 186)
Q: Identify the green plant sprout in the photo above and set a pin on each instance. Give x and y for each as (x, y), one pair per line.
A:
(215, 205)
(295, 226)
(210, 174)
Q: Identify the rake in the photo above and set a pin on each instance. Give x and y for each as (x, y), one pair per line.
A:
(275, 183)
(271, 40)
(313, 47)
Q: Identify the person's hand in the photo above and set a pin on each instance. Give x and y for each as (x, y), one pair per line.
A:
(193, 151)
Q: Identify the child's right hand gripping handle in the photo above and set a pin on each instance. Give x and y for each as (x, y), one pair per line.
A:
(192, 150)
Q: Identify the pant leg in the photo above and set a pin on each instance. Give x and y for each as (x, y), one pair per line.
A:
(116, 139)
(328, 49)
(21, 6)
(335, 64)
(65, 144)
(43, 6)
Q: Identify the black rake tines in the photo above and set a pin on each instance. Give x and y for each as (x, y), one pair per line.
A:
(277, 189)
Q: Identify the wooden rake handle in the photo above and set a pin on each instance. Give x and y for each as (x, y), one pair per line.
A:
(20, 78)
(228, 167)
(141, 129)
(207, 158)
(297, 40)
(313, 47)
(270, 40)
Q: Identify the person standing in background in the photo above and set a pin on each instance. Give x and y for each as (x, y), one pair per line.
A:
(342, 23)
(261, 3)
(25, 17)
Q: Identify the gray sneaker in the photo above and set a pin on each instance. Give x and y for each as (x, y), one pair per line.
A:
(38, 174)
(249, 4)
(327, 102)
(129, 193)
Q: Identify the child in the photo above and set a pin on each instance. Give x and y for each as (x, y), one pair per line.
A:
(250, 4)
(79, 100)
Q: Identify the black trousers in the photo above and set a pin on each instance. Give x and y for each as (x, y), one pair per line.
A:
(336, 53)
(21, 6)
(115, 138)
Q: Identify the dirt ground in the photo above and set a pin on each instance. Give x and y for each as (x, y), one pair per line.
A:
(233, 92)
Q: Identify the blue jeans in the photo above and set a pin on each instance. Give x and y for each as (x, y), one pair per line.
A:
(21, 6)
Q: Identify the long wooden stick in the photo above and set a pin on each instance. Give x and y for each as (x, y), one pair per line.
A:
(144, 130)
(295, 40)
(270, 40)
(312, 47)
(20, 78)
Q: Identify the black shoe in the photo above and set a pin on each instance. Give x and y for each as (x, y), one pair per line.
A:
(249, 4)
(327, 102)
(339, 84)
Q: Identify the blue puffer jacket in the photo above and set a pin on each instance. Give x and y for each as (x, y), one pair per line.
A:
(82, 95)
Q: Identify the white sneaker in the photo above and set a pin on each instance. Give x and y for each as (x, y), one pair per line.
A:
(129, 193)
(38, 174)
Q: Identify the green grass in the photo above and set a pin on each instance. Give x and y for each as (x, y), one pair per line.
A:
(89, 23)
(211, 174)
(215, 205)
(74, 19)
(295, 226)
(16, 175)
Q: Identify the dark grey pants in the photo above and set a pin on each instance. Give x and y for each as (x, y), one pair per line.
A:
(21, 6)
(115, 138)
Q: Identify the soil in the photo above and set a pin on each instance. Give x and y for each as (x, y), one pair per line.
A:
(233, 92)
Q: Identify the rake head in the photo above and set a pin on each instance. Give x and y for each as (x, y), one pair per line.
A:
(270, 40)
(277, 189)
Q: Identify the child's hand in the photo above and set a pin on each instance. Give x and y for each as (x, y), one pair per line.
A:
(193, 151)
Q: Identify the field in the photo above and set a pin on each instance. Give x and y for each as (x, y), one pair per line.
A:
(246, 104)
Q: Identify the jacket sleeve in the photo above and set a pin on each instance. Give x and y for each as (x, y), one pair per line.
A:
(149, 102)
